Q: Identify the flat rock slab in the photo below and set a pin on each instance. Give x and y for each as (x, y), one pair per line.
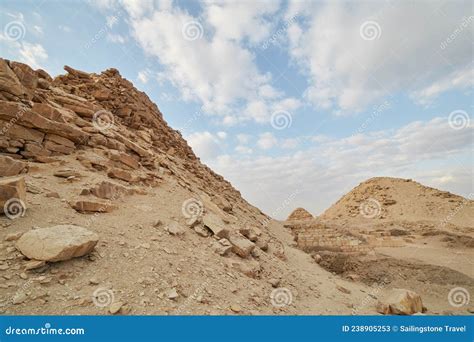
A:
(10, 167)
(215, 224)
(92, 206)
(57, 243)
(240, 245)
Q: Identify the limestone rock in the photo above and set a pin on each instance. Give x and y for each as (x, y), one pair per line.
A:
(92, 206)
(34, 264)
(13, 196)
(57, 243)
(241, 245)
(250, 268)
(10, 167)
(215, 224)
(115, 307)
(400, 302)
(122, 174)
(10, 86)
(222, 247)
(109, 190)
(174, 228)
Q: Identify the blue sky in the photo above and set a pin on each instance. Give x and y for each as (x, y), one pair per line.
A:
(293, 102)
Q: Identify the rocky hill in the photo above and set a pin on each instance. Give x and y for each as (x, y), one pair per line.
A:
(299, 214)
(391, 199)
(105, 209)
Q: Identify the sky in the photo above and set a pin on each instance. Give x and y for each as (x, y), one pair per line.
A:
(293, 102)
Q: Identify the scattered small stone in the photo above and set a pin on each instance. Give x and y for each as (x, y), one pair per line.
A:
(13, 236)
(343, 289)
(34, 264)
(317, 258)
(174, 228)
(115, 307)
(274, 282)
(236, 308)
(94, 281)
(52, 195)
(19, 298)
(172, 294)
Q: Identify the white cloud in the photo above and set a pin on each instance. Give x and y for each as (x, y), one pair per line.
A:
(266, 141)
(38, 29)
(290, 143)
(243, 138)
(428, 151)
(459, 79)
(222, 135)
(243, 149)
(143, 76)
(32, 54)
(205, 145)
(65, 28)
(347, 72)
(219, 69)
(111, 21)
(238, 20)
(116, 38)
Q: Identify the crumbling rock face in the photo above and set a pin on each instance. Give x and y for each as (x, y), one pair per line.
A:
(42, 118)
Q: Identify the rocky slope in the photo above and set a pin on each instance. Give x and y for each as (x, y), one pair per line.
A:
(106, 209)
(392, 199)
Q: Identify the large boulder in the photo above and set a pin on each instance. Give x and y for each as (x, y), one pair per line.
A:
(215, 224)
(12, 196)
(10, 167)
(400, 302)
(241, 245)
(57, 243)
(10, 87)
